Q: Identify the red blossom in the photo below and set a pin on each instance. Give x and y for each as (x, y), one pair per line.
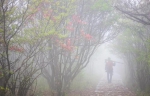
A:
(83, 22)
(88, 36)
(75, 18)
(82, 32)
(63, 46)
(15, 48)
(66, 46)
(70, 48)
(79, 21)
(53, 18)
(68, 42)
(70, 23)
(70, 28)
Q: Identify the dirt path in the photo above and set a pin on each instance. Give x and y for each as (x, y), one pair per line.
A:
(116, 88)
(105, 89)
(112, 89)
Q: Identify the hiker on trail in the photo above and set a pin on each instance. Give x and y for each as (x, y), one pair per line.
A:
(109, 69)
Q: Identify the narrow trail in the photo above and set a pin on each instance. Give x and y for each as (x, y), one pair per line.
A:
(112, 89)
(116, 88)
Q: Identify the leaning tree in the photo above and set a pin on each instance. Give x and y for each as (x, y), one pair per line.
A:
(136, 10)
(133, 46)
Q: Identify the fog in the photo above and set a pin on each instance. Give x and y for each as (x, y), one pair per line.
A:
(97, 64)
(69, 47)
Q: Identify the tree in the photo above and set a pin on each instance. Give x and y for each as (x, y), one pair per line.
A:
(59, 34)
(18, 70)
(133, 46)
(76, 36)
(136, 10)
(11, 21)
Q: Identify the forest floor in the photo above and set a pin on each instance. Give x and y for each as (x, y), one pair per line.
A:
(112, 89)
(116, 88)
(105, 89)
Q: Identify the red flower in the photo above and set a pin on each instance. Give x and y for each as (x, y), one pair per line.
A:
(79, 21)
(83, 22)
(53, 19)
(70, 24)
(70, 48)
(67, 46)
(68, 42)
(75, 18)
(15, 48)
(70, 28)
(88, 36)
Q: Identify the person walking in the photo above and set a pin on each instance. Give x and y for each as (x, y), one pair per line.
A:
(109, 69)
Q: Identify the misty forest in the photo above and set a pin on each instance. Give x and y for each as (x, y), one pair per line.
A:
(74, 47)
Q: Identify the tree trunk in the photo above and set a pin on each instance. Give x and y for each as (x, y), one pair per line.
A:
(2, 92)
(60, 93)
